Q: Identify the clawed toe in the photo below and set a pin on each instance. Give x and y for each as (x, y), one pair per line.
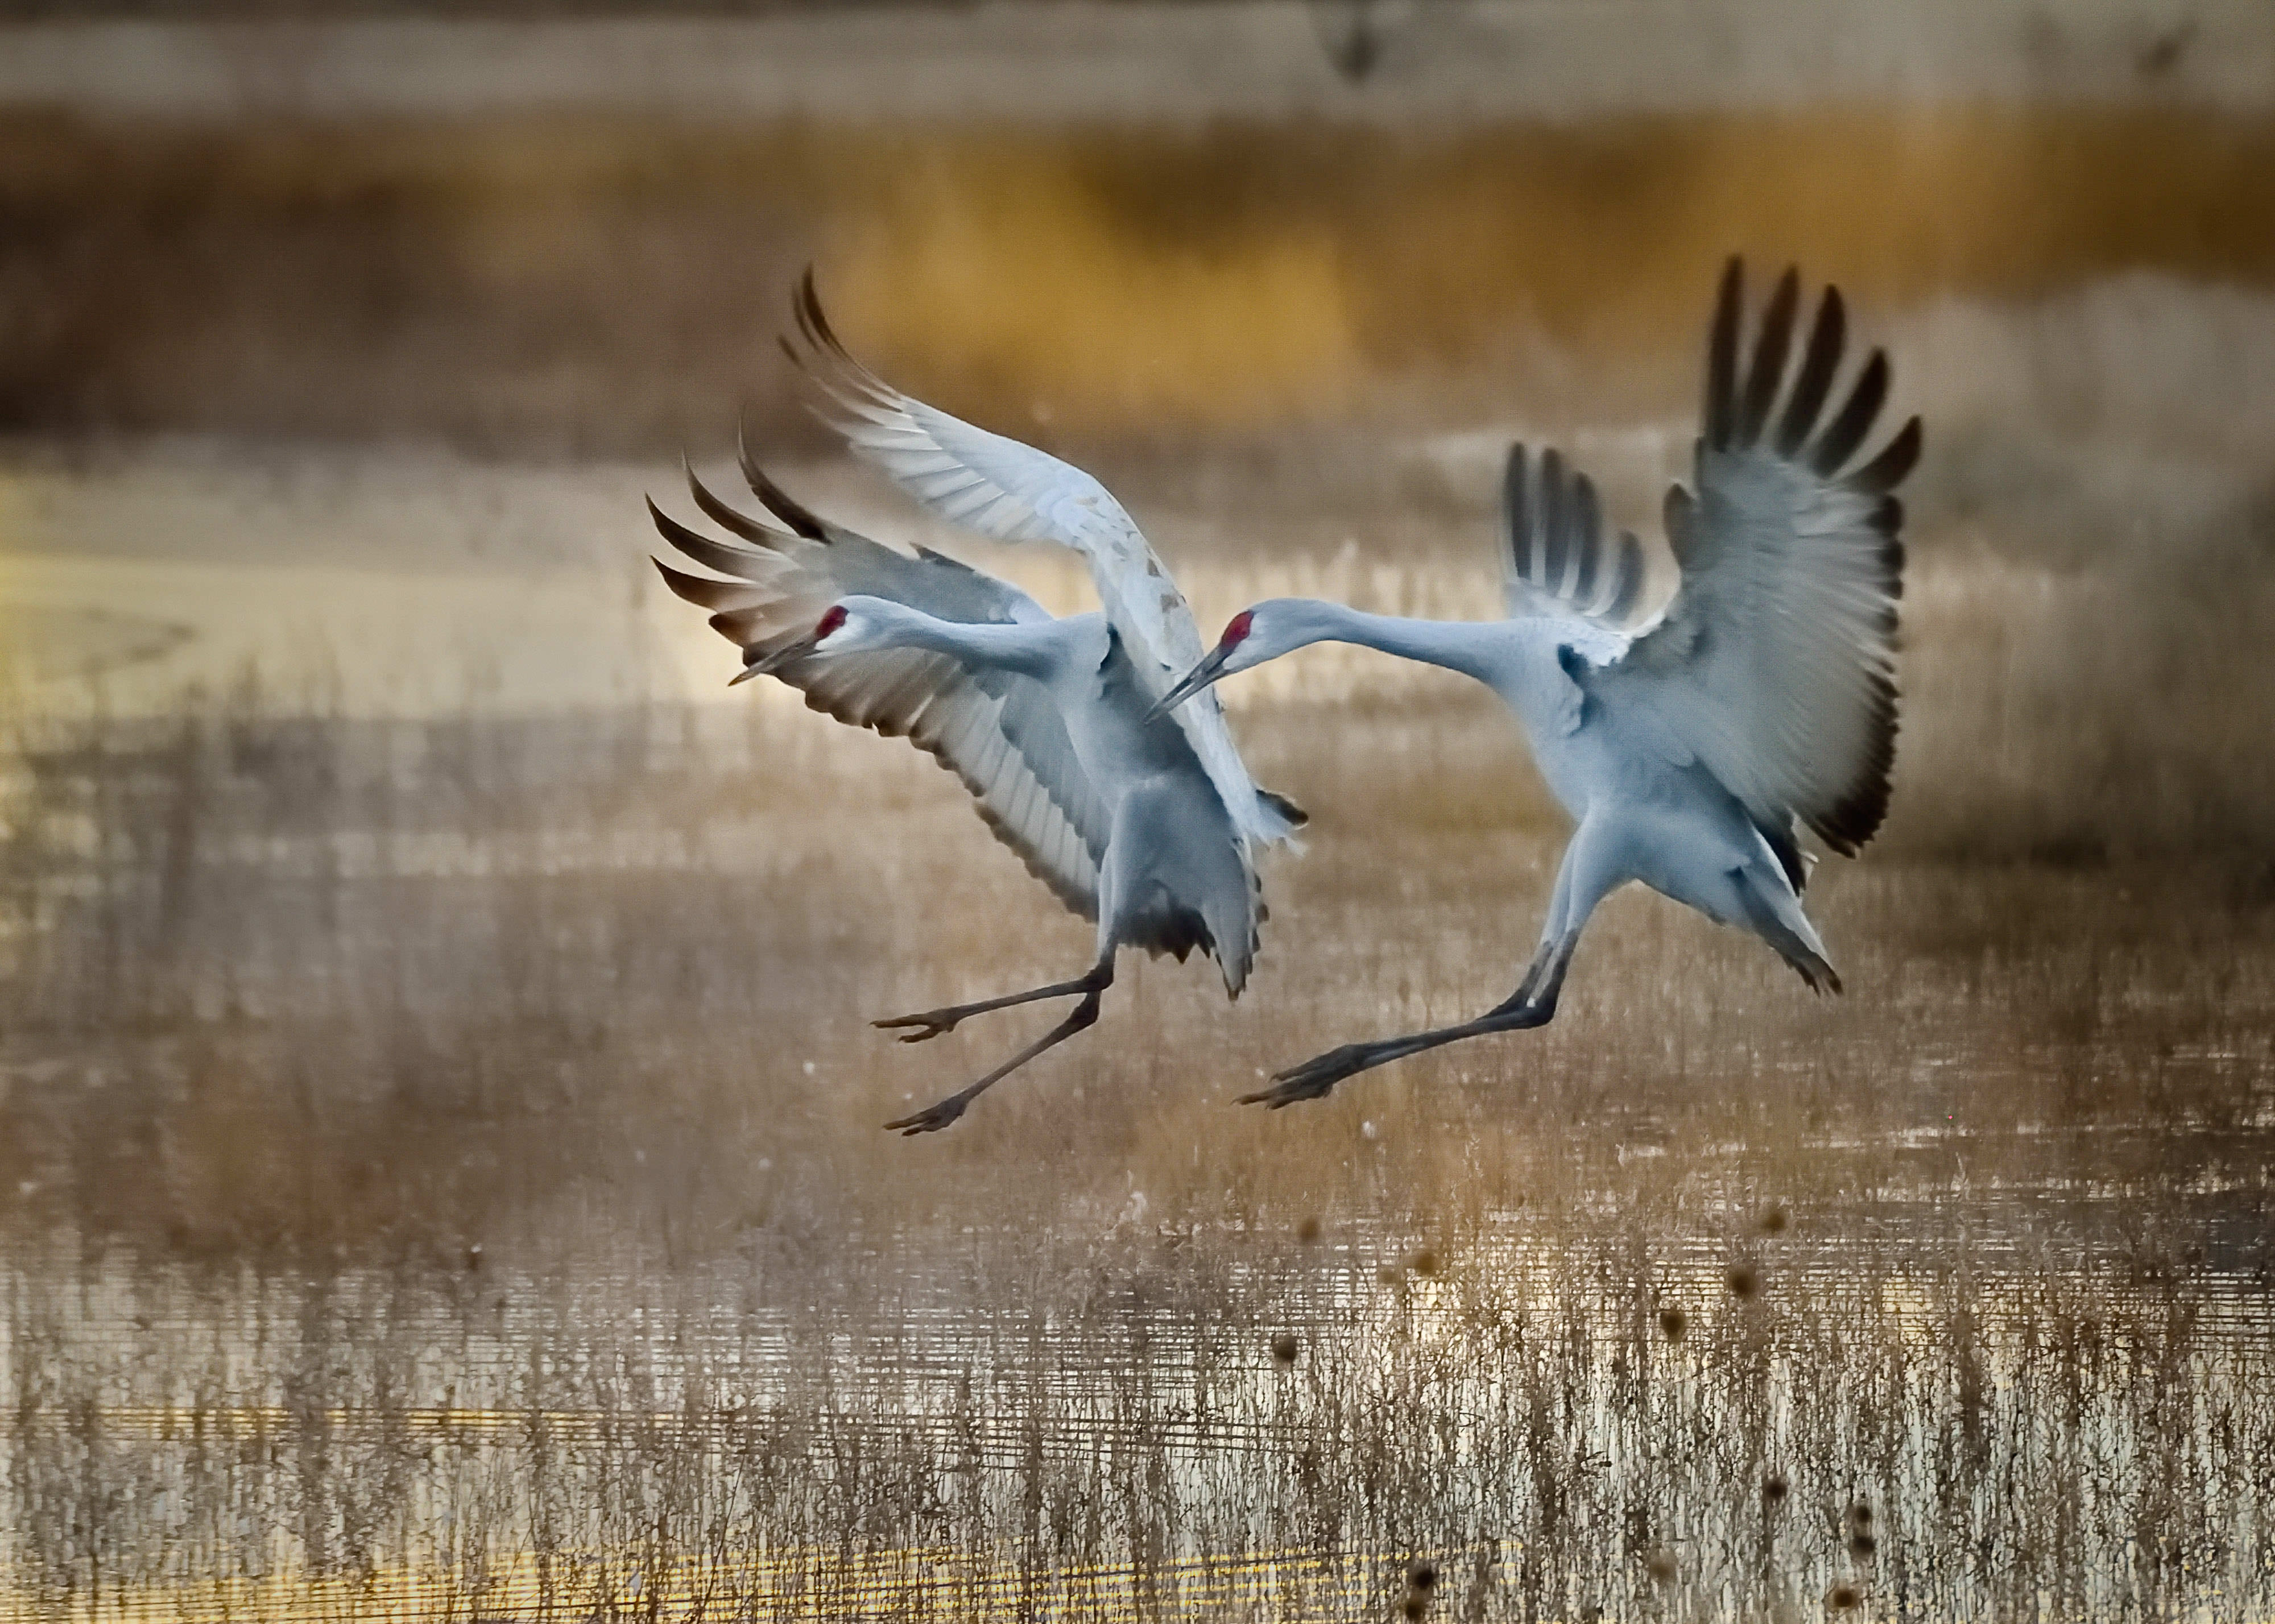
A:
(1315, 1076)
(1285, 1094)
(934, 1022)
(932, 1119)
(1313, 1079)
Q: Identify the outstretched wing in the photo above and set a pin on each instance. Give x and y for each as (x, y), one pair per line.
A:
(1000, 734)
(1012, 492)
(1774, 665)
(1554, 561)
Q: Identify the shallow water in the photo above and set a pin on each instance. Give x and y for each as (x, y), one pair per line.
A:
(439, 1162)
(932, 1421)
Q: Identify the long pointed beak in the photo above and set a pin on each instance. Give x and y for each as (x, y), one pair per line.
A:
(767, 665)
(1199, 678)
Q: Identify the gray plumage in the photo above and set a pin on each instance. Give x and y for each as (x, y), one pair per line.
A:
(1144, 823)
(1690, 751)
(999, 734)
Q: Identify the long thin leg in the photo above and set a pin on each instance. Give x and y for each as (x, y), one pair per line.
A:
(1533, 1004)
(1589, 872)
(934, 1117)
(935, 1022)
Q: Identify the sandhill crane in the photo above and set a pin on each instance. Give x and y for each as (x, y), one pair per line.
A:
(1145, 822)
(1690, 752)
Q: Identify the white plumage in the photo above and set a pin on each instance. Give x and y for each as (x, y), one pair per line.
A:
(999, 734)
(1147, 825)
(1775, 662)
(1008, 491)
(1690, 751)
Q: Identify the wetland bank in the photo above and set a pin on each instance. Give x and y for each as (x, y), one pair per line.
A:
(440, 1170)
(444, 1180)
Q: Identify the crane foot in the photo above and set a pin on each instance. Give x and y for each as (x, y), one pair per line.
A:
(933, 1118)
(1315, 1076)
(933, 1022)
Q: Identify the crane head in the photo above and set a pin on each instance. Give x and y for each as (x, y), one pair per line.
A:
(832, 622)
(1236, 650)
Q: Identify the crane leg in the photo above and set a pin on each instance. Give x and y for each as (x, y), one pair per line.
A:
(1533, 1004)
(934, 1117)
(933, 1022)
(1592, 868)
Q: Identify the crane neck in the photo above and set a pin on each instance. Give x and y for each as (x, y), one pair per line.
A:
(1463, 645)
(1027, 648)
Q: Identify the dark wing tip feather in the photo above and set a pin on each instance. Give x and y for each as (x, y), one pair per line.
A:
(815, 325)
(1896, 460)
(688, 588)
(1856, 817)
(1779, 834)
(725, 516)
(806, 302)
(779, 502)
(1770, 350)
(1296, 815)
(743, 627)
(1839, 442)
(1552, 519)
(1628, 588)
(1722, 357)
(705, 594)
(1516, 505)
(1678, 512)
(1819, 361)
(735, 561)
(1587, 536)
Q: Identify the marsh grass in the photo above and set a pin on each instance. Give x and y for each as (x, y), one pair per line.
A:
(442, 1176)
(440, 1170)
(1089, 1422)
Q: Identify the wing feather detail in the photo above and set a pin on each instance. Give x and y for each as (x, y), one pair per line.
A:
(1001, 734)
(1011, 491)
(1554, 559)
(1774, 664)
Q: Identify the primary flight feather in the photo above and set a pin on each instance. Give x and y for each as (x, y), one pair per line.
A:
(1689, 753)
(1147, 825)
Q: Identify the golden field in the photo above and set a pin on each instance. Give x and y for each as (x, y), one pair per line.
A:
(439, 1162)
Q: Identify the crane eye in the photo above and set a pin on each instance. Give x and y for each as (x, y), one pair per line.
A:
(1237, 628)
(833, 617)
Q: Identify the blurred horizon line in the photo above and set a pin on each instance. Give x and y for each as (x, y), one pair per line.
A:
(1430, 61)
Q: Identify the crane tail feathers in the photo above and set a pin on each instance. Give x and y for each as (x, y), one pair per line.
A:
(1792, 938)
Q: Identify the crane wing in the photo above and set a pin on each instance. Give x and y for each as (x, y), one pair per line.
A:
(1000, 734)
(1774, 664)
(1554, 561)
(1012, 492)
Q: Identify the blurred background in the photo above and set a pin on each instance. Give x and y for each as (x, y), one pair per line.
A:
(426, 991)
(398, 288)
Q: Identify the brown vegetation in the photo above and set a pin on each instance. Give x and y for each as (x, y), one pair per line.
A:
(573, 284)
(439, 1167)
(441, 1161)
